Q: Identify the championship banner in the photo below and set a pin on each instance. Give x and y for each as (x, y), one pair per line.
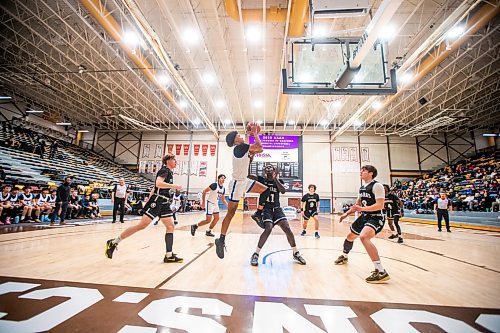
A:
(203, 169)
(193, 169)
(158, 150)
(178, 148)
(170, 147)
(196, 150)
(186, 149)
(212, 150)
(145, 150)
(204, 149)
(277, 148)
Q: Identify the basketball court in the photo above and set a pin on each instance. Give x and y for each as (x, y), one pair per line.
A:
(407, 86)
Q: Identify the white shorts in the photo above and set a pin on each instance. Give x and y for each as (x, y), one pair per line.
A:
(211, 208)
(174, 207)
(237, 188)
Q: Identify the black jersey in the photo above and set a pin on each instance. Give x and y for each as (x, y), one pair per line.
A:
(391, 204)
(272, 192)
(311, 201)
(367, 196)
(169, 179)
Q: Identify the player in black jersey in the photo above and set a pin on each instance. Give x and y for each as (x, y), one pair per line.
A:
(272, 214)
(371, 221)
(158, 205)
(393, 209)
(310, 208)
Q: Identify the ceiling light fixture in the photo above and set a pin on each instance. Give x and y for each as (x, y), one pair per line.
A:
(220, 103)
(164, 79)
(455, 32)
(34, 111)
(256, 78)
(253, 34)
(63, 124)
(131, 38)
(83, 131)
(376, 105)
(258, 104)
(4, 98)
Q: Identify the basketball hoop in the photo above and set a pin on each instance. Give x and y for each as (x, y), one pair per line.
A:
(332, 104)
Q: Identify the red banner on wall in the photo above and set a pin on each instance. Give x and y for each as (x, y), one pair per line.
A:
(212, 150)
(178, 149)
(170, 148)
(204, 149)
(186, 150)
(196, 150)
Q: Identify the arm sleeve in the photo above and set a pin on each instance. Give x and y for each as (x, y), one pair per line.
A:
(213, 186)
(303, 198)
(378, 190)
(241, 149)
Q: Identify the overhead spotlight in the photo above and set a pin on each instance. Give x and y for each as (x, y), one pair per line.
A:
(209, 78)
(5, 98)
(455, 32)
(259, 122)
(63, 124)
(406, 77)
(357, 123)
(164, 79)
(337, 104)
(291, 122)
(253, 33)
(131, 38)
(320, 30)
(297, 104)
(83, 131)
(387, 33)
(191, 36)
(183, 104)
(256, 78)
(81, 69)
(196, 122)
(258, 104)
(34, 111)
(323, 122)
(227, 121)
(220, 103)
(376, 105)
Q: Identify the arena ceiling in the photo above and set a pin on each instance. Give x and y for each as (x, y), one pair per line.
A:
(210, 65)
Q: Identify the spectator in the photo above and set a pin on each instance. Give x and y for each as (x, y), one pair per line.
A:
(63, 194)
(53, 149)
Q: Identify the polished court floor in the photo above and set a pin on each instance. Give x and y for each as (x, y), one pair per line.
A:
(439, 281)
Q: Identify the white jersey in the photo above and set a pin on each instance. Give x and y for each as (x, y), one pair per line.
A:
(42, 200)
(176, 201)
(216, 192)
(28, 199)
(4, 198)
(241, 161)
(52, 200)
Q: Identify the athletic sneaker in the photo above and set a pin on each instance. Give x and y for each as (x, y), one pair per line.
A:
(377, 277)
(448, 230)
(400, 240)
(258, 220)
(193, 229)
(393, 236)
(209, 233)
(110, 248)
(303, 233)
(172, 259)
(341, 260)
(316, 234)
(156, 222)
(220, 246)
(175, 222)
(255, 259)
(297, 257)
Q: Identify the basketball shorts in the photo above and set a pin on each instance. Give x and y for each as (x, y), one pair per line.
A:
(158, 206)
(376, 222)
(309, 213)
(211, 208)
(237, 188)
(273, 215)
(174, 207)
(390, 214)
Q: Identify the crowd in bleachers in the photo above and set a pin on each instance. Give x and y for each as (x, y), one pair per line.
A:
(471, 185)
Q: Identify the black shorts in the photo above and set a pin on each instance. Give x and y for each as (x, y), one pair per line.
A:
(158, 207)
(390, 214)
(310, 213)
(273, 215)
(376, 222)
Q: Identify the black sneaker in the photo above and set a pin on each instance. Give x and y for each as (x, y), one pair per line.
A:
(316, 234)
(255, 259)
(156, 222)
(209, 233)
(448, 230)
(172, 259)
(439, 230)
(175, 222)
(113, 222)
(193, 229)
(400, 240)
(342, 260)
(393, 236)
(303, 233)
(378, 277)
(297, 257)
(110, 248)
(258, 219)
(220, 246)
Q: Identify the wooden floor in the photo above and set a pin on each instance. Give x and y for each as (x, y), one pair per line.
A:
(458, 269)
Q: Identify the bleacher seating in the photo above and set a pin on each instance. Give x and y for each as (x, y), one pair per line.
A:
(22, 164)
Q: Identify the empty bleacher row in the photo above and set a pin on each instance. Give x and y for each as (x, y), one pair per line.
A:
(25, 162)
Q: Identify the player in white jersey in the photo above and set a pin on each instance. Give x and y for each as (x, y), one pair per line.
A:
(210, 204)
(43, 207)
(176, 204)
(242, 155)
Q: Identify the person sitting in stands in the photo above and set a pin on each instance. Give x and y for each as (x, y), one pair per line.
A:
(86, 207)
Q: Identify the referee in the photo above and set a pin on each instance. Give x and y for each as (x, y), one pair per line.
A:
(119, 198)
(441, 208)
